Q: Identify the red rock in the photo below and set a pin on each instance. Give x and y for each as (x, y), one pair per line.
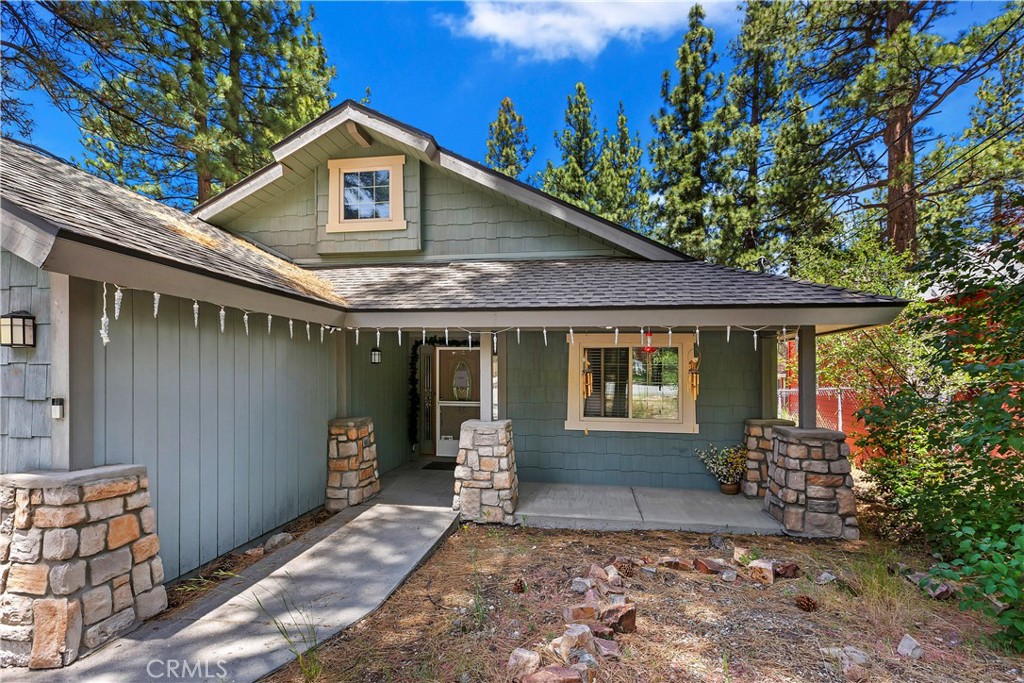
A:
(598, 629)
(621, 618)
(597, 573)
(554, 674)
(673, 563)
(591, 596)
(788, 570)
(579, 612)
(608, 648)
(762, 571)
(706, 565)
(522, 662)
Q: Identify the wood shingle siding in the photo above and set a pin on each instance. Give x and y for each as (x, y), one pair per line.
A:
(231, 427)
(25, 422)
(535, 389)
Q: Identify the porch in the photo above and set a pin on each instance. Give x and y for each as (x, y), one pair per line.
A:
(585, 506)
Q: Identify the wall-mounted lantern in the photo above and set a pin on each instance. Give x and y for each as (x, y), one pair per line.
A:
(18, 329)
(57, 408)
(375, 356)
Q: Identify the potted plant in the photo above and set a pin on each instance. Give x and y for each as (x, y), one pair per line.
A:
(726, 464)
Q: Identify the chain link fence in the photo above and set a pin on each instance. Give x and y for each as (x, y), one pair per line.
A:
(835, 407)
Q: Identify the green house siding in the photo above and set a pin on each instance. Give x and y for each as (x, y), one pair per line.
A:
(535, 395)
(232, 427)
(381, 392)
(448, 218)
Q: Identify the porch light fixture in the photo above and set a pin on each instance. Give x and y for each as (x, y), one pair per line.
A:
(375, 356)
(18, 329)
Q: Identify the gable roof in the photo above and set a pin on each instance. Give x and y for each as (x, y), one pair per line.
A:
(69, 203)
(362, 121)
(580, 284)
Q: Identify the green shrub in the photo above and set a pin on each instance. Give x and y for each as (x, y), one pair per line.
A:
(949, 462)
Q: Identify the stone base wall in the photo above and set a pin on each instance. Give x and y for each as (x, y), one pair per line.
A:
(486, 484)
(352, 474)
(810, 489)
(79, 562)
(757, 438)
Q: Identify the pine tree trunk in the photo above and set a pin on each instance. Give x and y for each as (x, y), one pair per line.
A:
(901, 203)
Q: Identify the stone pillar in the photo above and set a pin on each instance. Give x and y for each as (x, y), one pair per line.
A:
(80, 565)
(486, 484)
(352, 474)
(810, 489)
(757, 438)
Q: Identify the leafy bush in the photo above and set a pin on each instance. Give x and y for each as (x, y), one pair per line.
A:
(726, 464)
(949, 462)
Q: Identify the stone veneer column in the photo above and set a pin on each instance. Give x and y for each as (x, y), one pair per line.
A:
(486, 484)
(810, 490)
(352, 474)
(757, 438)
(79, 562)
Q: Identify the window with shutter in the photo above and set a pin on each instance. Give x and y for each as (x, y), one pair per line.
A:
(629, 388)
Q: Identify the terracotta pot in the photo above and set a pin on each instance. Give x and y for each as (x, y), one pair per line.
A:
(730, 489)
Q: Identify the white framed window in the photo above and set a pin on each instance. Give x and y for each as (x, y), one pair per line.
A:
(632, 385)
(366, 194)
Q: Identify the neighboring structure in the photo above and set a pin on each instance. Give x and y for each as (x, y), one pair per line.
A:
(369, 271)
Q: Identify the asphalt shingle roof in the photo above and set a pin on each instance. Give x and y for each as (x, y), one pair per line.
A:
(89, 209)
(572, 284)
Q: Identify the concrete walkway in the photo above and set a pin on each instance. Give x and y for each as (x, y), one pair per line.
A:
(623, 508)
(333, 576)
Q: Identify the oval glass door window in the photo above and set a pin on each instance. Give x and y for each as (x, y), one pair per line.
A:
(462, 382)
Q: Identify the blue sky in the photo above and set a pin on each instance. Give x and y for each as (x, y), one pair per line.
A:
(444, 66)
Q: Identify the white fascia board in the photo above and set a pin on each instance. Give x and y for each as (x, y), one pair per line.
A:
(554, 209)
(93, 263)
(826, 319)
(287, 147)
(251, 185)
(24, 234)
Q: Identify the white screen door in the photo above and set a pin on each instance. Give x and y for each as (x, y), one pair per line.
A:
(457, 387)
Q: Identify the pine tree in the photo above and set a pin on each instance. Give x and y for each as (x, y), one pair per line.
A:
(622, 183)
(881, 71)
(686, 147)
(214, 85)
(752, 102)
(579, 145)
(974, 179)
(508, 147)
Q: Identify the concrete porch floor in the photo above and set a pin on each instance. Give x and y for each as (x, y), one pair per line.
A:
(601, 508)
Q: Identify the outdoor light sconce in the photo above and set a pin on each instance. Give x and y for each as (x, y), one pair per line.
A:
(57, 408)
(375, 356)
(18, 329)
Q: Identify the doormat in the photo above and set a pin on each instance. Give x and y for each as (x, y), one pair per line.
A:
(447, 465)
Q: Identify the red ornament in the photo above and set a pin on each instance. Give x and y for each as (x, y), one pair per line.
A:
(649, 343)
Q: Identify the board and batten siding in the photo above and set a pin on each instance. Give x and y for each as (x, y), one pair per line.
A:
(25, 422)
(382, 392)
(232, 427)
(536, 395)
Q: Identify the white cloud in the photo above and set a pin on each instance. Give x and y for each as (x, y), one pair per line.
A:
(549, 31)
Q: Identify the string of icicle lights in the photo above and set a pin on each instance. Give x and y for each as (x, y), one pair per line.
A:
(222, 310)
(323, 330)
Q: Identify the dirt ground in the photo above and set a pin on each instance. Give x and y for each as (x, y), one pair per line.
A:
(459, 616)
(186, 590)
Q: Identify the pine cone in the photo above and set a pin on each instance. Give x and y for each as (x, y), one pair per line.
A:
(519, 586)
(806, 603)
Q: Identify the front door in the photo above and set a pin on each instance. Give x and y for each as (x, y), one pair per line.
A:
(457, 393)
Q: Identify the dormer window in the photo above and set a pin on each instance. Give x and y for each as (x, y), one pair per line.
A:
(366, 194)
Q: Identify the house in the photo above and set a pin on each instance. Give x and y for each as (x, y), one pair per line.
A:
(191, 363)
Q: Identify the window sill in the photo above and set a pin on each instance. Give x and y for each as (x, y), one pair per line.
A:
(365, 225)
(650, 427)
